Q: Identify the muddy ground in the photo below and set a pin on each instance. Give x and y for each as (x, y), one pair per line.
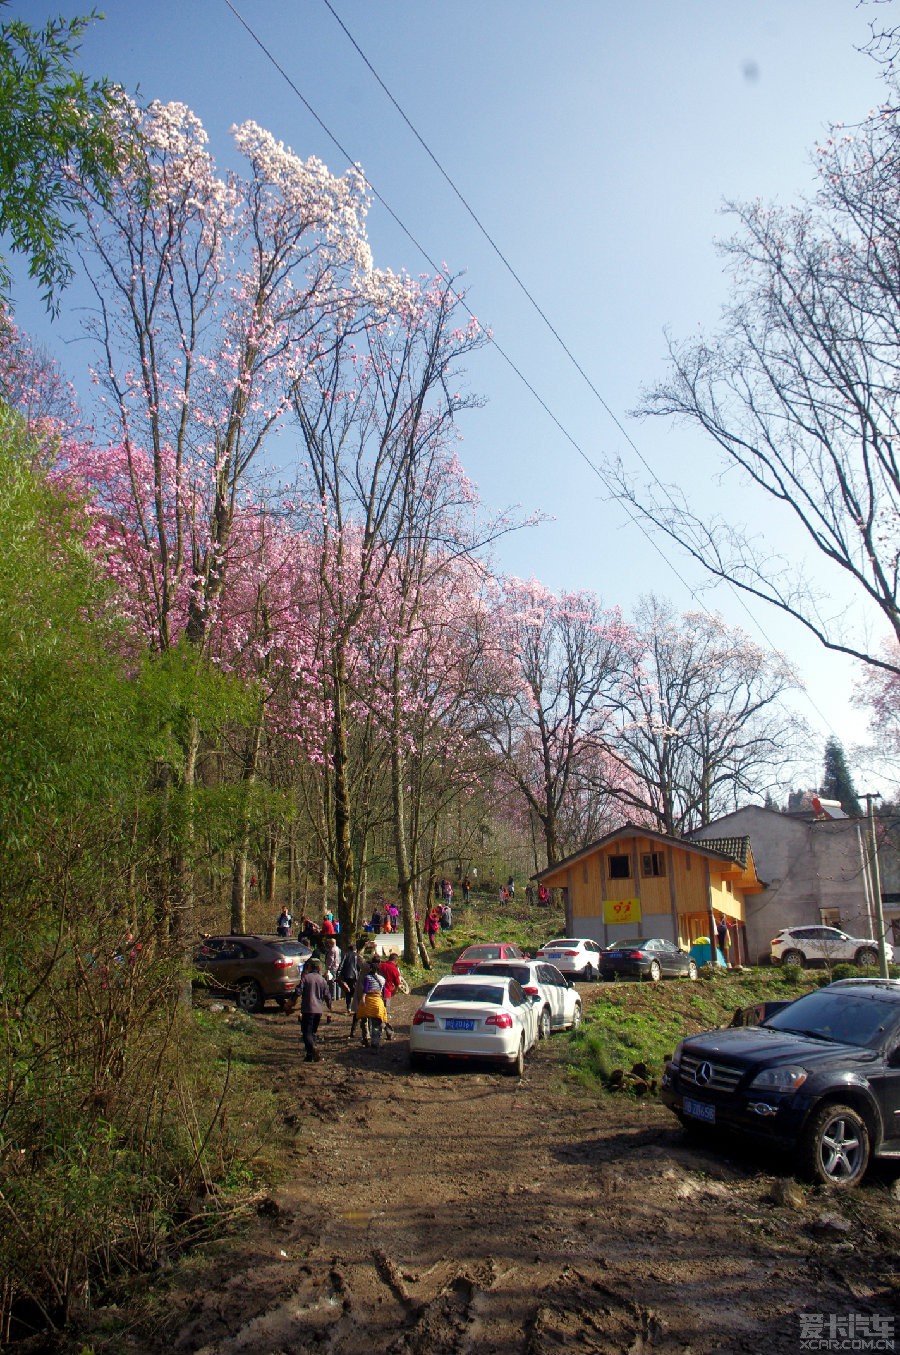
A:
(464, 1212)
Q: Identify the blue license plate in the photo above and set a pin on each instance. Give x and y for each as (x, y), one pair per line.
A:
(454, 1024)
(613, 955)
(699, 1110)
(554, 954)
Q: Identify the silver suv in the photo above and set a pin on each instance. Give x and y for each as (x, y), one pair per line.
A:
(805, 945)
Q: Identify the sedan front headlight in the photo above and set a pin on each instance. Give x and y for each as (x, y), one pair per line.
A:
(788, 1079)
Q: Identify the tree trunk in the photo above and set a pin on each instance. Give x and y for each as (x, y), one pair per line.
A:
(343, 843)
(239, 864)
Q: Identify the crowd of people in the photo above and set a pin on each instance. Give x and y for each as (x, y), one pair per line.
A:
(360, 975)
(366, 981)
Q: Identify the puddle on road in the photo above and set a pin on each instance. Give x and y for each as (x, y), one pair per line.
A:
(357, 1218)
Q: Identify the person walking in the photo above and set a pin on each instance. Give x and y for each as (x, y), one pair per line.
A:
(313, 993)
(371, 1012)
(331, 959)
(466, 888)
(446, 918)
(284, 923)
(394, 982)
(348, 973)
(368, 965)
(432, 925)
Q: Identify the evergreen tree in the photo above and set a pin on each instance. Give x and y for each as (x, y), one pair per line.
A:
(837, 783)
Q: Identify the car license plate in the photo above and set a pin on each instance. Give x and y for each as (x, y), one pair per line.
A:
(613, 955)
(554, 954)
(453, 1023)
(699, 1110)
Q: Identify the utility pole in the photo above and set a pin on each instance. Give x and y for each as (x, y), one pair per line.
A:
(875, 880)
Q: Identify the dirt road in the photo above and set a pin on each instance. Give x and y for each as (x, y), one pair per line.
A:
(464, 1212)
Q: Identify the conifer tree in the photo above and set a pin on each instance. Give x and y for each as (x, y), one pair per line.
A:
(837, 783)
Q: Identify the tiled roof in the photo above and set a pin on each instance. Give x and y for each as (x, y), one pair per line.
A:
(730, 848)
(737, 848)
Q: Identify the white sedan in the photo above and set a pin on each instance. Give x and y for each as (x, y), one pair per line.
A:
(577, 956)
(558, 1003)
(469, 1016)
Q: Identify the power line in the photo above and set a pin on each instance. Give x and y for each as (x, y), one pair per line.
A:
(736, 592)
(440, 271)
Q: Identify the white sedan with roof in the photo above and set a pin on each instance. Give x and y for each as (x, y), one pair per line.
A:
(558, 1003)
(469, 1016)
(577, 956)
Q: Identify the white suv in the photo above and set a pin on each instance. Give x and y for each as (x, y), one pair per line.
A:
(801, 945)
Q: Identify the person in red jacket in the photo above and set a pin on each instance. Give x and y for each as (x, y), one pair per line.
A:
(393, 981)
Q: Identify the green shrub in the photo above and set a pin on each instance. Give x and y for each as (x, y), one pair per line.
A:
(791, 974)
(844, 971)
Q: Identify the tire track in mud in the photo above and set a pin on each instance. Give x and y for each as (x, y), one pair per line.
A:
(467, 1213)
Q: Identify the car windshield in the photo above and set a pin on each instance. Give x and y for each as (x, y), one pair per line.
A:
(836, 1014)
(630, 943)
(468, 992)
(562, 942)
(481, 953)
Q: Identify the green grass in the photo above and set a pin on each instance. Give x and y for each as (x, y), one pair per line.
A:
(637, 1022)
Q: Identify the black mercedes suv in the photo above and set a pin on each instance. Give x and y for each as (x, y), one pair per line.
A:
(820, 1077)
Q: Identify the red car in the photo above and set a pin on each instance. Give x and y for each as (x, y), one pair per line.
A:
(493, 950)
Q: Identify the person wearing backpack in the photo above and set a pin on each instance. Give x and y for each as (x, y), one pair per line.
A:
(371, 1012)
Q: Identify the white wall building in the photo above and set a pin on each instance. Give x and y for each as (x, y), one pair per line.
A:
(814, 870)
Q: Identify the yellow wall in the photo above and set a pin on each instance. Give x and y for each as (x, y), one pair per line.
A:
(587, 889)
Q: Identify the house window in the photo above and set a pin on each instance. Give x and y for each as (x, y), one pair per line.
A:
(728, 886)
(653, 863)
(830, 917)
(620, 868)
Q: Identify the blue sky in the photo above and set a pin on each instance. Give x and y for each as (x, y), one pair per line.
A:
(596, 141)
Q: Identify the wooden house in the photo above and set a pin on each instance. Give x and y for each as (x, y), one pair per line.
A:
(636, 882)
